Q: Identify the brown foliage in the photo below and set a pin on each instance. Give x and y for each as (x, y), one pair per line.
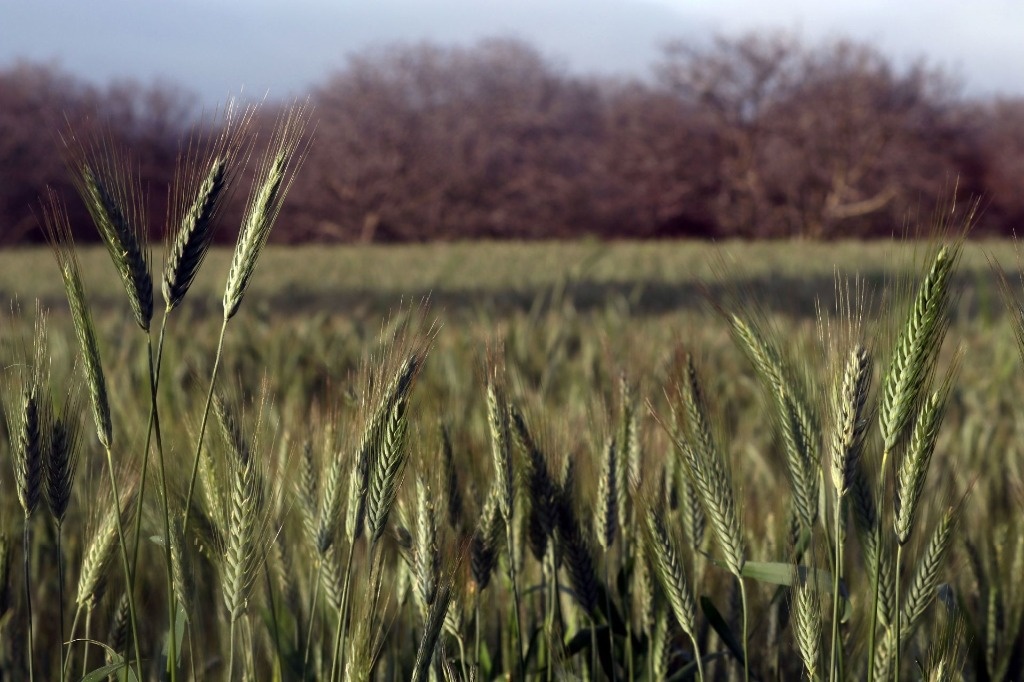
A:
(755, 136)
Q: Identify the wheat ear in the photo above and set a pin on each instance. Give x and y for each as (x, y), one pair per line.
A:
(916, 346)
(202, 184)
(274, 176)
(111, 189)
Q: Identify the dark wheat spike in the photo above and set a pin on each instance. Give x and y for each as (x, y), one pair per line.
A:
(608, 497)
(62, 461)
(109, 185)
(539, 487)
(483, 547)
(204, 178)
(451, 478)
(190, 244)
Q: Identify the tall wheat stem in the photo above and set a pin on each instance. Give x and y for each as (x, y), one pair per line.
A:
(877, 577)
(129, 579)
(153, 429)
(746, 633)
(172, 643)
(515, 600)
(312, 615)
(338, 660)
(833, 662)
(28, 598)
(202, 428)
(60, 597)
(899, 557)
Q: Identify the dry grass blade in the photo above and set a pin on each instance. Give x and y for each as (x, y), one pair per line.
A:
(58, 232)
(274, 176)
(111, 189)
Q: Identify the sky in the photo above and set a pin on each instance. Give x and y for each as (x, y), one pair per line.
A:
(219, 48)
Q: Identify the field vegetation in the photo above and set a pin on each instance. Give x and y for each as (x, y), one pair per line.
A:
(582, 460)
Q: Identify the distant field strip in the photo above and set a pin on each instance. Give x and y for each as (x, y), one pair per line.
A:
(648, 277)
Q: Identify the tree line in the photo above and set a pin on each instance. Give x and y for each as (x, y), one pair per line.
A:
(752, 136)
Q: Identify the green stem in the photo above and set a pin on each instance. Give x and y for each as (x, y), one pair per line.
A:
(312, 615)
(154, 420)
(231, 650)
(123, 544)
(833, 662)
(71, 637)
(28, 597)
(746, 653)
(476, 627)
(273, 619)
(696, 657)
(202, 429)
(88, 631)
(898, 615)
(515, 600)
(60, 598)
(338, 655)
(877, 573)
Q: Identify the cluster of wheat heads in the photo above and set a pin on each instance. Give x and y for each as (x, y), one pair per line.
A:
(378, 537)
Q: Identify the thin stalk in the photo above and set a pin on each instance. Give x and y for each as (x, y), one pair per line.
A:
(60, 598)
(338, 656)
(746, 633)
(877, 575)
(231, 654)
(145, 459)
(515, 600)
(312, 615)
(28, 598)
(202, 428)
(88, 632)
(476, 627)
(154, 428)
(66, 663)
(696, 656)
(608, 603)
(273, 619)
(899, 557)
(123, 543)
(833, 663)
(551, 581)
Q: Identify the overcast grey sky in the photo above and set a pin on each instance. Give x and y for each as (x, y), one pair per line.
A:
(218, 47)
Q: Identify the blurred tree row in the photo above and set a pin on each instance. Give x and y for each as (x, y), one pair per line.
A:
(753, 136)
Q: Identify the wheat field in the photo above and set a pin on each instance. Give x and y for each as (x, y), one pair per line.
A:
(500, 461)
